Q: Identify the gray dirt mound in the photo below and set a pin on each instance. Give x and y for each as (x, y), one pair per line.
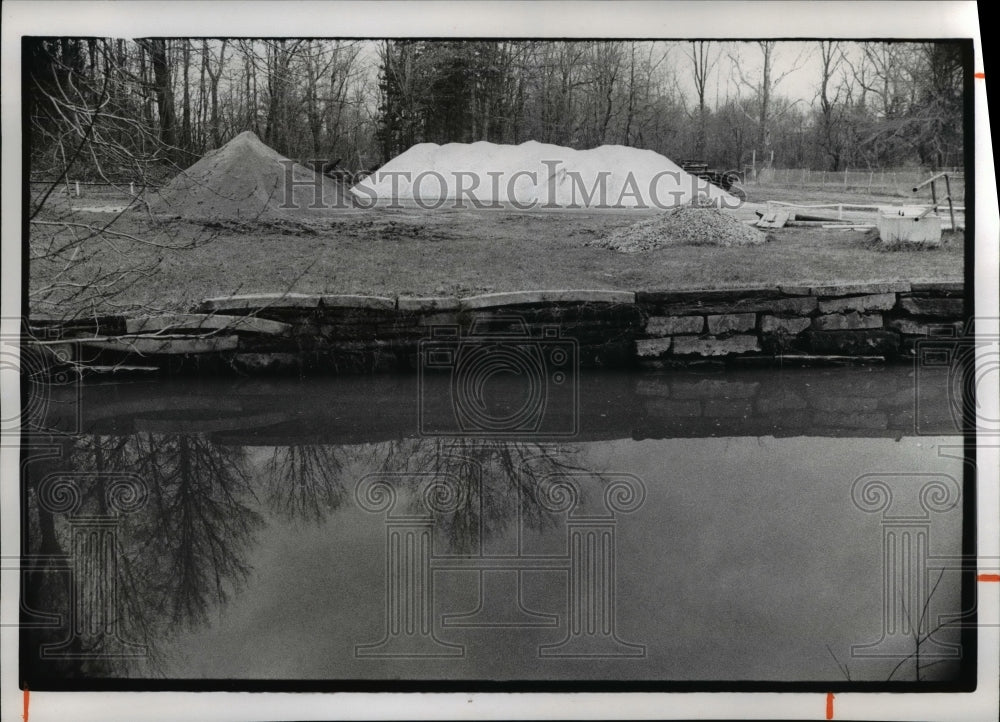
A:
(246, 180)
(688, 225)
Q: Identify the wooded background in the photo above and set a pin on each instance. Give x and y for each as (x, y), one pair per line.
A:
(122, 110)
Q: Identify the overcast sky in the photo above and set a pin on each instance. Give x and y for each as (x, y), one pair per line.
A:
(798, 61)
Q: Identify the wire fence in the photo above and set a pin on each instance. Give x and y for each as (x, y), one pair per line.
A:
(893, 182)
(897, 182)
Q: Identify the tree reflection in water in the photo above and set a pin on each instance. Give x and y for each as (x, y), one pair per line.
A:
(501, 480)
(305, 482)
(200, 522)
(178, 555)
(184, 552)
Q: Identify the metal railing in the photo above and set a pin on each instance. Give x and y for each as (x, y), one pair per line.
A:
(932, 182)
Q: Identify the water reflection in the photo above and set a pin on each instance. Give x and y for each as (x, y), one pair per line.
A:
(304, 482)
(158, 548)
(182, 550)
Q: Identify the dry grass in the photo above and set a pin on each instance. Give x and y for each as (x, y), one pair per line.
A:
(465, 252)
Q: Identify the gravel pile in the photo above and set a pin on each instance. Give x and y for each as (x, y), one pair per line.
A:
(684, 226)
(247, 181)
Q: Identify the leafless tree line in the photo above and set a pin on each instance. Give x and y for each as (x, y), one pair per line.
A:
(875, 104)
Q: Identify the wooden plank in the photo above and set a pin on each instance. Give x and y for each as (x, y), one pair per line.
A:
(158, 345)
(815, 217)
(774, 219)
(196, 321)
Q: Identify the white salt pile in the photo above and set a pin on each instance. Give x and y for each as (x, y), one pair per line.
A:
(692, 226)
(535, 175)
(246, 180)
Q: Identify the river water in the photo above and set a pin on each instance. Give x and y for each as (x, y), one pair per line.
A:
(796, 525)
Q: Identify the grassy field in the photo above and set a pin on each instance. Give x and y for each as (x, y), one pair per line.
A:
(427, 253)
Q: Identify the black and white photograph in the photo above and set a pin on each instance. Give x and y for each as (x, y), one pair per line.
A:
(498, 360)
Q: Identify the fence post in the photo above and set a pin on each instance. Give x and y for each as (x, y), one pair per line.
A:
(77, 188)
(845, 178)
(951, 206)
(131, 188)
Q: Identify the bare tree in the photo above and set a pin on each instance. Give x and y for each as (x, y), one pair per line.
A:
(214, 70)
(831, 58)
(762, 86)
(703, 60)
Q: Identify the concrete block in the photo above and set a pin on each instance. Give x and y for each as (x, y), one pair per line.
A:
(671, 325)
(854, 343)
(790, 326)
(708, 346)
(847, 321)
(873, 302)
(652, 347)
(925, 328)
(728, 322)
(940, 307)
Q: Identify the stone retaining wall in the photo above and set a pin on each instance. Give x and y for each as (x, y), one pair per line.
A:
(349, 333)
(870, 319)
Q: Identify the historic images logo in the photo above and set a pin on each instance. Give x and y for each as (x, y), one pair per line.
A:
(548, 187)
(93, 618)
(413, 504)
(502, 380)
(911, 619)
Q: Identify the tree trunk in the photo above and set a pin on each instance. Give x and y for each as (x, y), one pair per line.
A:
(164, 95)
(214, 76)
(186, 103)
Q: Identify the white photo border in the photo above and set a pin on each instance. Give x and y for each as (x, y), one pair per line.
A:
(555, 19)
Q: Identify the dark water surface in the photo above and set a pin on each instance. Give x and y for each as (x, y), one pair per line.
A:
(759, 525)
